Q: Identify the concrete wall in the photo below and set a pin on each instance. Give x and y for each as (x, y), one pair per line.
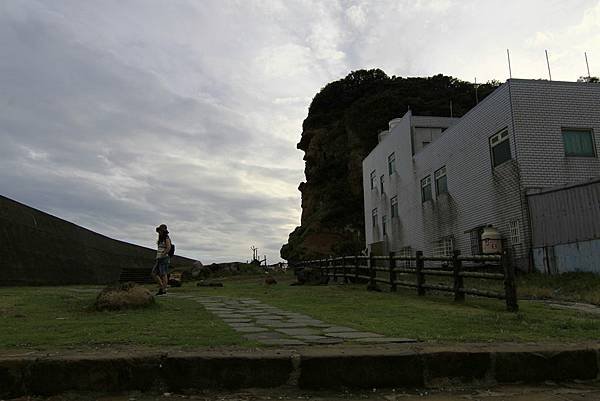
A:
(40, 249)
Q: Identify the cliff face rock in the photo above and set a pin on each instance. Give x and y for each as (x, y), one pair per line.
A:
(340, 130)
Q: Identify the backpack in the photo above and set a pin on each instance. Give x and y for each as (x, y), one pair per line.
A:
(172, 250)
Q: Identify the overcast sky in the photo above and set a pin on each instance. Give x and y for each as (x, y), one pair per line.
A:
(119, 115)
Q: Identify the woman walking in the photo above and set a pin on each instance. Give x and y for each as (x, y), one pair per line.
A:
(161, 267)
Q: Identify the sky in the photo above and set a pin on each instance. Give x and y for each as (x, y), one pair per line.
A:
(120, 115)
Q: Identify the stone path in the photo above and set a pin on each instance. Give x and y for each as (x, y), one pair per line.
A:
(273, 326)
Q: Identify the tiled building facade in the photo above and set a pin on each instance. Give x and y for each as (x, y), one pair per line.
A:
(433, 183)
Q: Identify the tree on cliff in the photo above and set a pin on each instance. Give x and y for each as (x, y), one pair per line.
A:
(340, 130)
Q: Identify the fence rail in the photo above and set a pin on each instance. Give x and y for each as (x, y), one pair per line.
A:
(455, 266)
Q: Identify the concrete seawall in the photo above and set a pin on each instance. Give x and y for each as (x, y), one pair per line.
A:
(40, 249)
(315, 368)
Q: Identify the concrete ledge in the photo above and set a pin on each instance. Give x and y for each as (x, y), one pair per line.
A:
(361, 371)
(540, 366)
(311, 368)
(231, 372)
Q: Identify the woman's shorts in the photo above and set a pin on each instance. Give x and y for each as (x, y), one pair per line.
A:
(161, 267)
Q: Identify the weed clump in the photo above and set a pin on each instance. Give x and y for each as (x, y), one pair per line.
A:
(123, 296)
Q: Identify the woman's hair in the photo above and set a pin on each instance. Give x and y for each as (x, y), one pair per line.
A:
(163, 233)
(162, 236)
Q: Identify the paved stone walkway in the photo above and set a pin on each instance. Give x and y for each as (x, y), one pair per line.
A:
(273, 326)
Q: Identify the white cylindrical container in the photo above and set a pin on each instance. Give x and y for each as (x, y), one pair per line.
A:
(491, 240)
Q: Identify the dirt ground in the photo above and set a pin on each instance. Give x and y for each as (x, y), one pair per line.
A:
(547, 392)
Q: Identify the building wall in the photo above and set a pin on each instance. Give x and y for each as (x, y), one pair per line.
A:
(565, 224)
(541, 109)
(477, 193)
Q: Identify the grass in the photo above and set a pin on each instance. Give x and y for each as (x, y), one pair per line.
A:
(60, 317)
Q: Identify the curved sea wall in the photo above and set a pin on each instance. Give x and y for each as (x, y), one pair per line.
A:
(40, 249)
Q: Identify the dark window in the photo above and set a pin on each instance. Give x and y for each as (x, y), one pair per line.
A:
(391, 163)
(500, 147)
(426, 189)
(476, 241)
(381, 183)
(374, 217)
(373, 179)
(384, 224)
(394, 201)
(578, 142)
(441, 184)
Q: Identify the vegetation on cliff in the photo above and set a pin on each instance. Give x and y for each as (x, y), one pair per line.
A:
(340, 130)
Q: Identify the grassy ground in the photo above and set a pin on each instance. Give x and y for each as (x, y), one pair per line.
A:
(60, 317)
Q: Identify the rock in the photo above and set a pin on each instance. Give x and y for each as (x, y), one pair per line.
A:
(270, 280)
(123, 296)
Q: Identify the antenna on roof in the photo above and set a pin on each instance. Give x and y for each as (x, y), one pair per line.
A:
(509, 69)
(476, 97)
(548, 62)
(587, 65)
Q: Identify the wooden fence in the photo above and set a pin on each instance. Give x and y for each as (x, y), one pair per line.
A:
(385, 269)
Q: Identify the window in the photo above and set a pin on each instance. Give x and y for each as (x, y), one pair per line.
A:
(373, 179)
(391, 163)
(384, 225)
(374, 217)
(443, 247)
(578, 142)
(381, 183)
(476, 241)
(406, 252)
(500, 148)
(426, 189)
(394, 202)
(441, 185)
(515, 232)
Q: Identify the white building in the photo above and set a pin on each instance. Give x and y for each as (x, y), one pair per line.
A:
(433, 183)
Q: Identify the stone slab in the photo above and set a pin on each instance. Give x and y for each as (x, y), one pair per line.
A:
(338, 329)
(238, 325)
(320, 339)
(263, 335)
(352, 335)
(377, 340)
(250, 329)
(231, 316)
(237, 320)
(281, 341)
(310, 322)
(299, 332)
(279, 325)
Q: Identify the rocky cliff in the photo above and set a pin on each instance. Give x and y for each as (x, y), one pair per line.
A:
(340, 130)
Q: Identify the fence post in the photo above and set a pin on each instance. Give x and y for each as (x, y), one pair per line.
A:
(458, 279)
(420, 276)
(321, 270)
(392, 265)
(510, 286)
(355, 269)
(371, 265)
(333, 267)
